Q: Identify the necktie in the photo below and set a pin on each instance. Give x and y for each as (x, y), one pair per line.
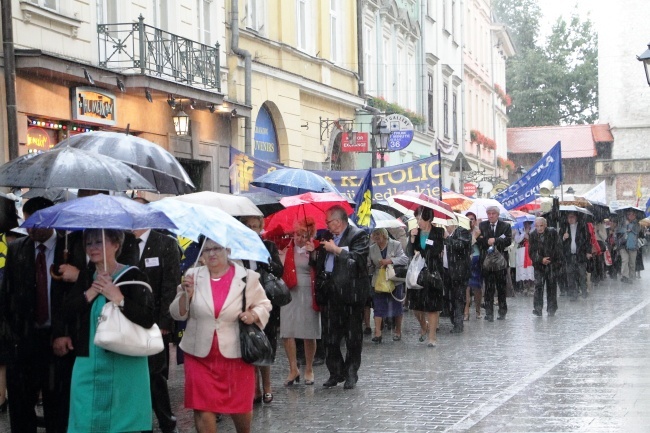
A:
(42, 307)
(494, 228)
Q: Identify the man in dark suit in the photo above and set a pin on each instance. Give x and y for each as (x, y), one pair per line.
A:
(546, 254)
(497, 234)
(576, 244)
(160, 261)
(342, 286)
(458, 247)
(35, 329)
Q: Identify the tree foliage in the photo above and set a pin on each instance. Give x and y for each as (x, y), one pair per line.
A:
(555, 82)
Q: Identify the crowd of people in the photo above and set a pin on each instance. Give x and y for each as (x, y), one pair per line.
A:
(50, 303)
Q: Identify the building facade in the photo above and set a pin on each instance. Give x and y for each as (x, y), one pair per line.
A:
(143, 62)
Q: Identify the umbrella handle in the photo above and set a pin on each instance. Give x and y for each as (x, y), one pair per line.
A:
(54, 273)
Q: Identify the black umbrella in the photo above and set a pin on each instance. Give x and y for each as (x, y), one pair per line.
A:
(267, 202)
(151, 161)
(71, 168)
(622, 211)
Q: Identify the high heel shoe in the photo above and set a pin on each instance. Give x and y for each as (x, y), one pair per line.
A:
(291, 382)
(376, 340)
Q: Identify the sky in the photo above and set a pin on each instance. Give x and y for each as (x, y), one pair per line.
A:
(552, 9)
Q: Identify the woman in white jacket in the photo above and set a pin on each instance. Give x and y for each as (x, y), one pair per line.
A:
(216, 378)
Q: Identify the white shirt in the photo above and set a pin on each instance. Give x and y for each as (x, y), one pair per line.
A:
(144, 238)
(574, 229)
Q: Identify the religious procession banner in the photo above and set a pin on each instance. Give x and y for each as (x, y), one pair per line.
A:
(420, 176)
(526, 189)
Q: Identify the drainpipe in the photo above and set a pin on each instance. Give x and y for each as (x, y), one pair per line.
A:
(462, 94)
(360, 71)
(10, 79)
(234, 45)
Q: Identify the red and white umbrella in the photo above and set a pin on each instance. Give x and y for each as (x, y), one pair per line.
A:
(412, 200)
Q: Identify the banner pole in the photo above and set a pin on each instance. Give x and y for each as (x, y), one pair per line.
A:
(440, 170)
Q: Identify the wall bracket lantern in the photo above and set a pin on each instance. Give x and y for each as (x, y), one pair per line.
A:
(645, 58)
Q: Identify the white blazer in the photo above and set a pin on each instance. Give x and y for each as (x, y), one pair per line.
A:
(201, 323)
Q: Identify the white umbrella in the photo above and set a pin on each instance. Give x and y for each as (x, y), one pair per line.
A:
(480, 205)
(384, 220)
(235, 205)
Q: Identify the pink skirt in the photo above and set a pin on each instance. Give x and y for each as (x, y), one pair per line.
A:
(218, 384)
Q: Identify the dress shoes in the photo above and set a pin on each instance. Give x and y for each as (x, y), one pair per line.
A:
(489, 318)
(333, 381)
(537, 313)
(501, 317)
(350, 383)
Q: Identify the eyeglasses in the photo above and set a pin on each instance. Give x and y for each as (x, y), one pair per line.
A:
(215, 250)
(98, 243)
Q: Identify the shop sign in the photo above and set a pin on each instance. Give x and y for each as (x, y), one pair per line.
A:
(39, 139)
(358, 143)
(94, 105)
(401, 132)
(469, 189)
(266, 141)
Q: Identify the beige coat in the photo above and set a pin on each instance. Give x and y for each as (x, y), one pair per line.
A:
(201, 323)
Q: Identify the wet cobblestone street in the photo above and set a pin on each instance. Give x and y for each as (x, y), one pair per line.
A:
(584, 370)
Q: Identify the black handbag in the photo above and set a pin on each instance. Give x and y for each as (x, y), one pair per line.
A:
(494, 261)
(430, 279)
(276, 290)
(255, 346)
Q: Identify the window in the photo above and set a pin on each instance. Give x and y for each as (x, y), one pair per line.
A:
(335, 31)
(161, 14)
(453, 19)
(388, 60)
(255, 15)
(410, 87)
(368, 60)
(445, 110)
(430, 100)
(399, 82)
(302, 14)
(454, 117)
(48, 4)
(444, 14)
(203, 21)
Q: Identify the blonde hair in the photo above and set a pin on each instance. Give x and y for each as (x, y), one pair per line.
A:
(307, 224)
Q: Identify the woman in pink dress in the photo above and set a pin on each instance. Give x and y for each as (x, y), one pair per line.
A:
(216, 378)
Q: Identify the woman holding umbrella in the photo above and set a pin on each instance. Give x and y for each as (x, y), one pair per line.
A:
(110, 392)
(217, 380)
(427, 302)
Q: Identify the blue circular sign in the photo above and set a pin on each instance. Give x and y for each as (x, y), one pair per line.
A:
(401, 132)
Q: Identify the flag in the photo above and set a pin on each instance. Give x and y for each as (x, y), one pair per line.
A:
(526, 189)
(362, 216)
(647, 208)
(638, 190)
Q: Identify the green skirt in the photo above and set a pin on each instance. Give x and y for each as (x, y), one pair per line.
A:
(110, 392)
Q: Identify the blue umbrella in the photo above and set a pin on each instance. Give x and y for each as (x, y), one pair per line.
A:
(294, 181)
(99, 212)
(194, 220)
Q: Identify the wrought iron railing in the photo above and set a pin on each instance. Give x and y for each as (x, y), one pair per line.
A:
(152, 51)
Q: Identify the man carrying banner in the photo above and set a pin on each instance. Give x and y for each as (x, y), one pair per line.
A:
(497, 235)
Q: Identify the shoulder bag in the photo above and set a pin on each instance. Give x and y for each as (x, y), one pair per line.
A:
(494, 261)
(396, 273)
(413, 271)
(382, 283)
(255, 346)
(430, 279)
(118, 334)
(276, 289)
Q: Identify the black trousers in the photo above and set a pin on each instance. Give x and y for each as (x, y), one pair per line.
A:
(576, 275)
(547, 277)
(37, 370)
(343, 322)
(495, 282)
(455, 294)
(158, 368)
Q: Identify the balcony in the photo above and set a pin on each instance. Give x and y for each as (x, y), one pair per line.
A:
(137, 48)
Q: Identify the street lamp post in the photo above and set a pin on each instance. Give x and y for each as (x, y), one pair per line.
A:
(381, 144)
(645, 58)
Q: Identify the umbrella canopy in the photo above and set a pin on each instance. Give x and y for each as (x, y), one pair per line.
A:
(575, 209)
(57, 195)
(458, 202)
(640, 213)
(480, 205)
(294, 181)
(463, 221)
(520, 218)
(385, 220)
(266, 201)
(193, 220)
(71, 168)
(99, 211)
(412, 200)
(235, 205)
(150, 160)
(530, 207)
(310, 204)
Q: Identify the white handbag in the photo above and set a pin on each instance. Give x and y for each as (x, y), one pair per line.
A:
(416, 265)
(118, 334)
